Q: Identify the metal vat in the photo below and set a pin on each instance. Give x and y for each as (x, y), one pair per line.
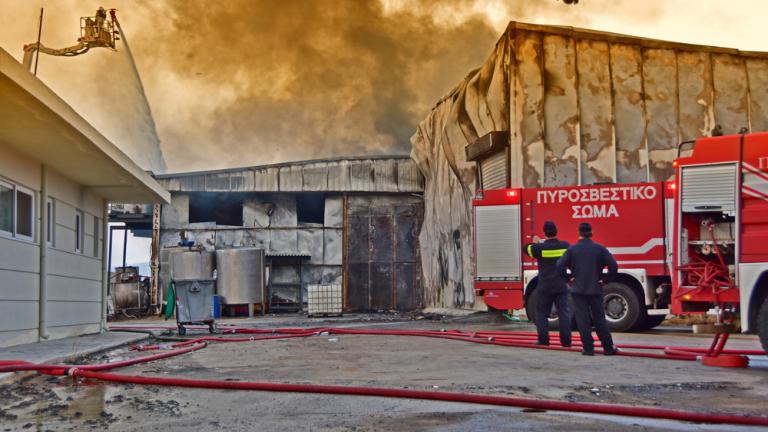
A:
(191, 264)
(240, 275)
(129, 295)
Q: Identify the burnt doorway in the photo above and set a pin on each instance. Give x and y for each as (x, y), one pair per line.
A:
(383, 267)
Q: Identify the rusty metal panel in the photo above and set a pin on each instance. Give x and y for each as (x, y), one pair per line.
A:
(385, 175)
(381, 285)
(358, 293)
(381, 237)
(406, 236)
(361, 175)
(315, 176)
(561, 113)
(406, 292)
(598, 155)
(358, 271)
(381, 249)
(291, 179)
(529, 106)
(338, 176)
(660, 83)
(757, 70)
(696, 96)
(358, 237)
(629, 113)
(731, 98)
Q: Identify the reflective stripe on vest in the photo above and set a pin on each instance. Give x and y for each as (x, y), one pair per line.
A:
(554, 253)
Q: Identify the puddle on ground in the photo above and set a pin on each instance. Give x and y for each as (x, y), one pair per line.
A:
(89, 401)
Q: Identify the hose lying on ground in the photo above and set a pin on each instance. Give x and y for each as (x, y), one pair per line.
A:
(512, 339)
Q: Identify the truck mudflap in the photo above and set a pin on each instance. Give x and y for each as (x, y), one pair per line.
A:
(501, 295)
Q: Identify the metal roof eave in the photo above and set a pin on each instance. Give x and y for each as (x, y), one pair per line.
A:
(37, 122)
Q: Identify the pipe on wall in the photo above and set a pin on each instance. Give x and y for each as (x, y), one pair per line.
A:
(42, 332)
(105, 263)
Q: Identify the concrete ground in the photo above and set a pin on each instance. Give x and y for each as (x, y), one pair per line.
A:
(53, 403)
(65, 350)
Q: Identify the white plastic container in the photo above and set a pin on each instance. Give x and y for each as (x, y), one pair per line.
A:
(324, 300)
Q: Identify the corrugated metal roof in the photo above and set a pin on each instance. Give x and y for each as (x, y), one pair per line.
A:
(287, 254)
(355, 174)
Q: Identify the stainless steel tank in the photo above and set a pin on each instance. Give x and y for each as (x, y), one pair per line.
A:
(129, 295)
(191, 264)
(240, 275)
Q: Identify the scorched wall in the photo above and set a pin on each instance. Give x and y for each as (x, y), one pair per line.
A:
(580, 107)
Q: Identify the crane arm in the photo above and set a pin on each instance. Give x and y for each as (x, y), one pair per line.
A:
(29, 51)
(95, 32)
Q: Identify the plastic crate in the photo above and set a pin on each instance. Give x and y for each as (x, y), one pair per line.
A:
(324, 300)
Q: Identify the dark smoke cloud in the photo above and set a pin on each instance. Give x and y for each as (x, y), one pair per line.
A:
(308, 79)
(246, 82)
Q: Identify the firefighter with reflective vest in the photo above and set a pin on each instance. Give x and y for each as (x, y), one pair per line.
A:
(551, 286)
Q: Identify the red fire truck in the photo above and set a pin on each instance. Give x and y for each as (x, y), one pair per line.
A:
(690, 245)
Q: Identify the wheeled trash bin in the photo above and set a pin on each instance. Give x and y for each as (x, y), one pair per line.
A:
(194, 302)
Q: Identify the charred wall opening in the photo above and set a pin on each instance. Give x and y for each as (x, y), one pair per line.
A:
(310, 208)
(221, 208)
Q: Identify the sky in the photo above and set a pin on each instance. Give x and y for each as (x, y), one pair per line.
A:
(247, 82)
(137, 252)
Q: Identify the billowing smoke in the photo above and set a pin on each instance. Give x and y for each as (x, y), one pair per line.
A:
(246, 82)
(266, 81)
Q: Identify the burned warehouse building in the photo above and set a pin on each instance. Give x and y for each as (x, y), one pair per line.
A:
(351, 222)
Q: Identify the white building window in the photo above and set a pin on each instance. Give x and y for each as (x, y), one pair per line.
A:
(79, 231)
(50, 231)
(96, 227)
(17, 211)
(25, 212)
(6, 208)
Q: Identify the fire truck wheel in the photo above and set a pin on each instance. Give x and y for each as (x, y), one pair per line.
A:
(762, 325)
(650, 321)
(622, 307)
(554, 320)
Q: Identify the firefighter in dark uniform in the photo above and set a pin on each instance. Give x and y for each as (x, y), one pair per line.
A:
(551, 285)
(586, 260)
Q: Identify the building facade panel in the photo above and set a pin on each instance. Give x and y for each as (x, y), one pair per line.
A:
(636, 100)
(303, 231)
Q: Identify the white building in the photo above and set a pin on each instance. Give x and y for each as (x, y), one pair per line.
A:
(57, 175)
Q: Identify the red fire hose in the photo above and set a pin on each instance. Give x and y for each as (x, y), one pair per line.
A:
(54, 369)
(512, 339)
(543, 404)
